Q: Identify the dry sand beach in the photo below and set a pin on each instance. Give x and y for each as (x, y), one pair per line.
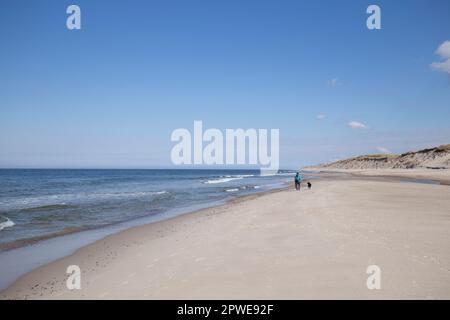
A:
(314, 243)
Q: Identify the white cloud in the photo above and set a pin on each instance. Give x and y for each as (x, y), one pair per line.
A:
(321, 116)
(357, 125)
(333, 82)
(444, 49)
(383, 150)
(444, 52)
(442, 66)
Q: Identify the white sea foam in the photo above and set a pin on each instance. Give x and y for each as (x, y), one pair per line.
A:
(232, 190)
(6, 224)
(224, 179)
(160, 192)
(125, 194)
(72, 198)
(221, 180)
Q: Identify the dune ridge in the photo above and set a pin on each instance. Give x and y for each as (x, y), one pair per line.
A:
(432, 158)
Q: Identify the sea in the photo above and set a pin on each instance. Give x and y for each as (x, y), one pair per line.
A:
(48, 213)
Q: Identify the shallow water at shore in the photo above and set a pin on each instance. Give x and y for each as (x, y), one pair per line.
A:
(40, 204)
(23, 259)
(48, 214)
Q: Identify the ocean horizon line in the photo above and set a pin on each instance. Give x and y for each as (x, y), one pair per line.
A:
(153, 168)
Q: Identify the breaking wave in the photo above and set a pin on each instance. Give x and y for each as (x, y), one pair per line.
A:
(6, 223)
(224, 179)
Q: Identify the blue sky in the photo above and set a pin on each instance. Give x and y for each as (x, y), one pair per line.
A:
(109, 95)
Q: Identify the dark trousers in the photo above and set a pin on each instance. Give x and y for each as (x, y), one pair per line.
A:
(297, 185)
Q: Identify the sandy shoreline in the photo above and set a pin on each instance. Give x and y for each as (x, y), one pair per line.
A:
(441, 176)
(309, 244)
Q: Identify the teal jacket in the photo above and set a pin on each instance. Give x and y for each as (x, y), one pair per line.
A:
(298, 178)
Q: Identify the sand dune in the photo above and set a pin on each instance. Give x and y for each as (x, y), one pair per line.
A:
(433, 158)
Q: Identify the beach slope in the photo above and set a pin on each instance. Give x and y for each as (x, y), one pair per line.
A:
(314, 243)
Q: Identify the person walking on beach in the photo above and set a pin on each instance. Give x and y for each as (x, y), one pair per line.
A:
(298, 180)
